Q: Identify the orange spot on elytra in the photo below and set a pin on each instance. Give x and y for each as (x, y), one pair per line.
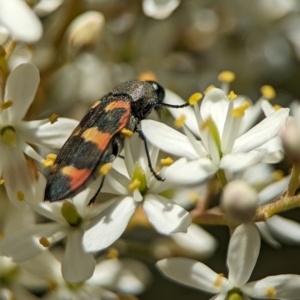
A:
(101, 139)
(95, 104)
(77, 176)
(118, 104)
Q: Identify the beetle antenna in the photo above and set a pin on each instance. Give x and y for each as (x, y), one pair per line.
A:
(172, 105)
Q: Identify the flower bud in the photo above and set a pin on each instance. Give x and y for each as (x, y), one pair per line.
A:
(85, 31)
(239, 201)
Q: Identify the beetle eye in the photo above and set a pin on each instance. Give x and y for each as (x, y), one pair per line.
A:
(147, 109)
(159, 90)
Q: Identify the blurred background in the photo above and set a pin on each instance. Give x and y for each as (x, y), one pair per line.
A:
(89, 46)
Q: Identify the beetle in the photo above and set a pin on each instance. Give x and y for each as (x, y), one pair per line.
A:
(98, 140)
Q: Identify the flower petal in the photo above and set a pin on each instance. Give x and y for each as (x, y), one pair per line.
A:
(109, 225)
(21, 86)
(262, 132)
(168, 139)
(192, 273)
(20, 20)
(48, 135)
(285, 230)
(77, 265)
(166, 216)
(244, 246)
(159, 11)
(267, 235)
(280, 287)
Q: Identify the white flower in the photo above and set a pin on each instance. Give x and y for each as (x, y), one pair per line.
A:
(159, 9)
(243, 247)
(135, 186)
(218, 123)
(17, 136)
(20, 20)
(69, 220)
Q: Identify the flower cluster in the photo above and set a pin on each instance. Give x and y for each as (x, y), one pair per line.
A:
(209, 160)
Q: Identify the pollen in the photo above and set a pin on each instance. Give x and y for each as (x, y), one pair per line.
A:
(166, 162)
(20, 196)
(1, 181)
(126, 132)
(48, 162)
(240, 111)
(103, 170)
(271, 292)
(145, 76)
(226, 76)
(112, 253)
(44, 242)
(196, 97)
(6, 104)
(134, 185)
(180, 121)
(210, 87)
(219, 280)
(9, 136)
(278, 175)
(53, 118)
(277, 107)
(268, 92)
(232, 95)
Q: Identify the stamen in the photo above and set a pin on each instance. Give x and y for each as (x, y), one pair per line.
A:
(126, 132)
(1, 181)
(219, 279)
(232, 95)
(52, 285)
(196, 97)
(112, 253)
(194, 197)
(103, 170)
(134, 185)
(179, 122)
(240, 111)
(44, 242)
(166, 162)
(6, 104)
(145, 76)
(48, 162)
(271, 292)
(53, 118)
(226, 76)
(210, 87)
(20, 196)
(9, 136)
(268, 92)
(278, 175)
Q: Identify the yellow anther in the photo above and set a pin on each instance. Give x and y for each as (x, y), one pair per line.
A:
(179, 122)
(52, 285)
(6, 104)
(232, 95)
(1, 181)
(226, 76)
(9, 136)
(44, 242)
(194, 197)
(268, 92)
(210, 87)
(48, 162)
(134, 185)
(240, 111)
(219, 280)
(53, 118)
(103, 170)
(271, 292)
(278, 175)
(126, 132)
(2, 235)
(277, 107)
(20, 196)
(112, 253)
(196, 97)
(166, 161)
(145, 76)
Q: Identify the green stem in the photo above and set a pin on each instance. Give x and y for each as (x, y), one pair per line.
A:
(294, 181)
(222, 177)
